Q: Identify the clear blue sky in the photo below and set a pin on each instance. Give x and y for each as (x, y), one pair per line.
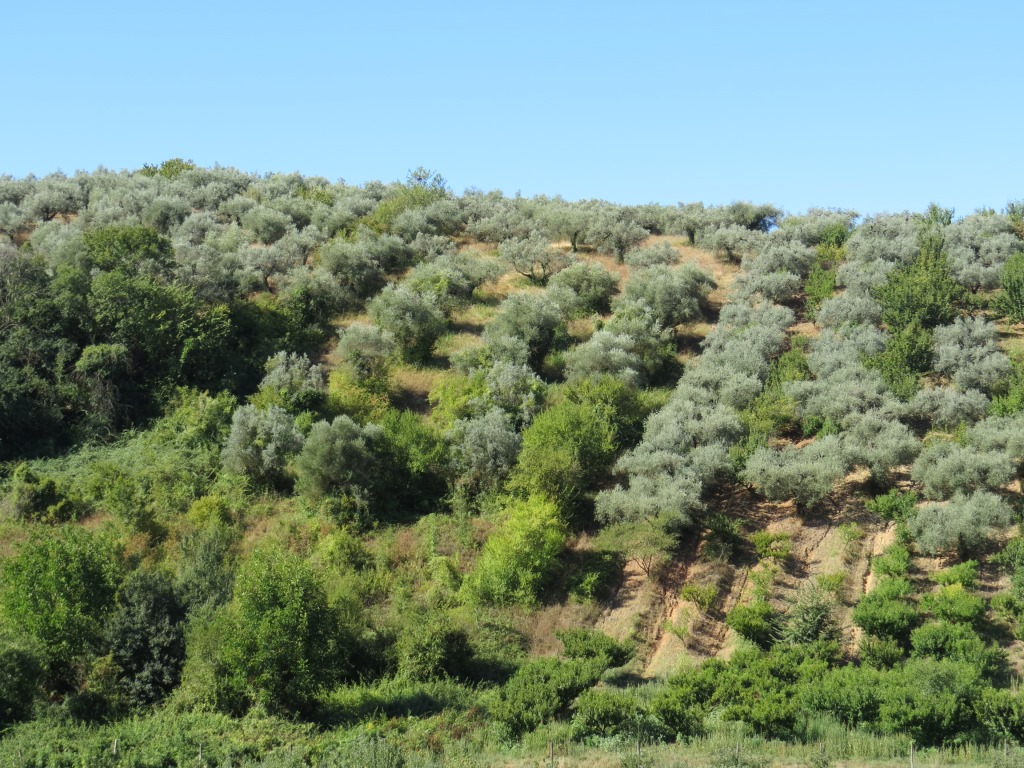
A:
(868, 105)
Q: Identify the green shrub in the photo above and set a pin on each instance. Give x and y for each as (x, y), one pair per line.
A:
(281, 643)
(879, 652)
(565, 451)
(956, 642)
(894, 505)
(731, 757)
(832, 582)
(680, 704)
(821, 280)
(1010, 300)
(21, 672)
(772, 546)
(965, 573)
(430, 649)
(604, 713)
(1011, 558)
(724, 537)
(954, 603)
(757, 622)
(146, 637)
(1001, 713)
(931, 701)
(887, 611)
(594, 575)
(37, 498)
(347, 397)
(811, 618)
(591, 644)
(701, 595)
(540, 690)
(894, 562)
(57, 593)
(521, 557)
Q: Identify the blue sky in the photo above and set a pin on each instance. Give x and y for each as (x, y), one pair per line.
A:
(870, 105)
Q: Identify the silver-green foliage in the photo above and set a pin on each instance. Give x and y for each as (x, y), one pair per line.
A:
(604, 352)
(414, 319)
(805, 474)
(592, 284)
(675, 295)
(967, 351)
(961, 524)
(484, 449)
(946, 408)
(978, 247)
(944, 469)
(877, 441)
(367, 350)
(260, 442)
(659, 254)
(294, 381)
(533, 257)
(338, 457)
(1004, 434)
(731, 242)
(534, 320)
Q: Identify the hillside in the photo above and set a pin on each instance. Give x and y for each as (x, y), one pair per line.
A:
(301, 473)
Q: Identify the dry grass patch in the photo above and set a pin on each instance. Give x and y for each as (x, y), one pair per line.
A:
(473, 317)
(453, 343)
(411, 386)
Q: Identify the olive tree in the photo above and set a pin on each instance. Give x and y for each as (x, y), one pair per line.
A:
(967, 351)
(452, 278)
(52, 196)
(805, 474)
(604, 352)
(944, 469)
(851, 307)
(414, 319)
(691, 220)
(648, 339)
(978, 247)
(338, 457)
(660, 485)
(533, 257)
(592, 284)
(615, 235)
(535, 320)
(960, 525)
(484, 449)
(946, 408)
(675, 295)
(292, 382)
(659, 254)
(774, 286)
(820, 226)
(367, 350)
(876, 441)
(260, 443)
(266, 224)
(731, 242)
(1004, 434)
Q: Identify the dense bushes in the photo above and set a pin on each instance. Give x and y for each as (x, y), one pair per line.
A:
(521, 557)
(402, 508)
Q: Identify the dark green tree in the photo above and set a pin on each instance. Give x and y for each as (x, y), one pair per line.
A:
(146, 637)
